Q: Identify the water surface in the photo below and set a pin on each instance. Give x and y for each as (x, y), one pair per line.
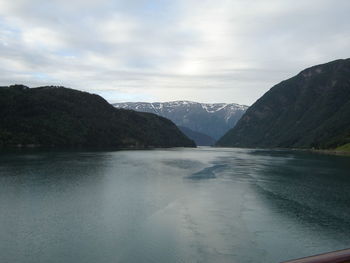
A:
(176, 205)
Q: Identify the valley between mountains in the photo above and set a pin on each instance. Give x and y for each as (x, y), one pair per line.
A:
(308, 111)
(204, 123)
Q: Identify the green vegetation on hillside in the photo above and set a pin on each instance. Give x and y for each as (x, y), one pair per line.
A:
(344, 148)
(310, 110)
(57, 116)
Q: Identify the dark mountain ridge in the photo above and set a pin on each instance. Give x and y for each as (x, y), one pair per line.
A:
(309, 110)
(61, 117)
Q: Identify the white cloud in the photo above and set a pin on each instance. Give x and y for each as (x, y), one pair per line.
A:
(224, 50)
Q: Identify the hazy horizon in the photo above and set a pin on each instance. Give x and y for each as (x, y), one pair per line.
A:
(148, 51)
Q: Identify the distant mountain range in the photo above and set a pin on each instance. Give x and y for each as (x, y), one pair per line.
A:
(205, 119)
(310, 110)
(60, 117)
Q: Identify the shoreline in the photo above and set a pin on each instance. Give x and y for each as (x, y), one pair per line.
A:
(331, 152)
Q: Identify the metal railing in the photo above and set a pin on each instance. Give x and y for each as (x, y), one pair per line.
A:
(340, 256)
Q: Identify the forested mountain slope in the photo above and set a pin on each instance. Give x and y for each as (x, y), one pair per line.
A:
(309, 110)
(57, 116)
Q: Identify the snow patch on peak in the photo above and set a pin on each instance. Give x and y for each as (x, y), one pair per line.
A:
(215, 107)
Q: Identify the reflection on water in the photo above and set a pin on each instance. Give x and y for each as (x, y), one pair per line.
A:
(176, 205)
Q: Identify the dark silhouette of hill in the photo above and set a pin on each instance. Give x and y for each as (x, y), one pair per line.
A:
(61, 117)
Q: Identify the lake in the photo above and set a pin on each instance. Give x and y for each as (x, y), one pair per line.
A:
(173, 205)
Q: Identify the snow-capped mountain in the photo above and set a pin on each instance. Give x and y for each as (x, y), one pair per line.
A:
(211, 119)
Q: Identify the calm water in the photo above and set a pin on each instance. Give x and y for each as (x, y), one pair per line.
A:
(178, 205)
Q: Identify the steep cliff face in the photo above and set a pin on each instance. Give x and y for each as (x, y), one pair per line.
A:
(311, 109)
(60, 117)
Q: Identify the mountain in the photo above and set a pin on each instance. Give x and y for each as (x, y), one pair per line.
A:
(199, 138)
(57, 116)
(213, 120)
(309, 110)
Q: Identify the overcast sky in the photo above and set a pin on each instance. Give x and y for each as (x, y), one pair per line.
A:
(135, 50)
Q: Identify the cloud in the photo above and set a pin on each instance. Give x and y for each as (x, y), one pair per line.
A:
(222, 51)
